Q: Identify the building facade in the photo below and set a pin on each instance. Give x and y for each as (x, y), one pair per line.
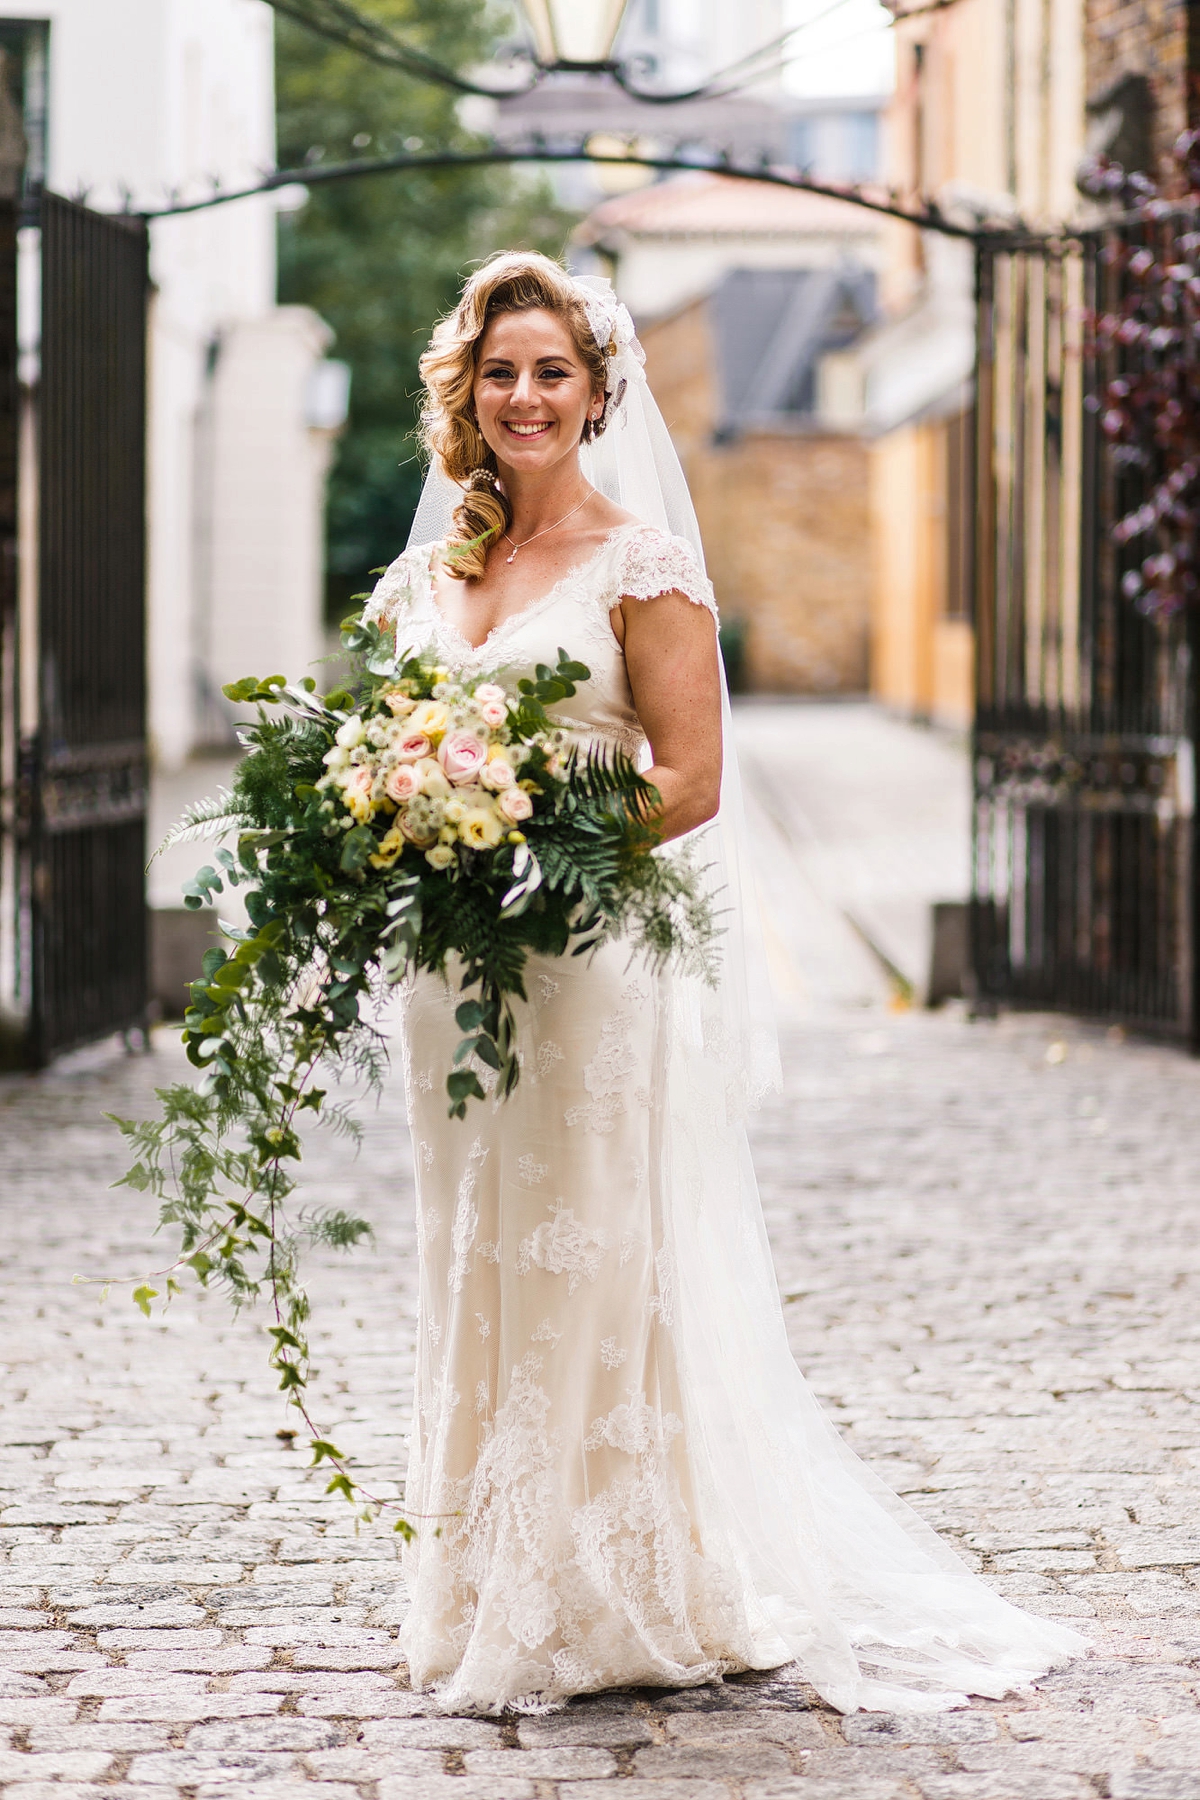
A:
(136, 102)
(744, 297)
(989, 119)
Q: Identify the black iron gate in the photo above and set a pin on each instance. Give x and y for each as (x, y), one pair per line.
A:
(84, 780)
(1084, 736)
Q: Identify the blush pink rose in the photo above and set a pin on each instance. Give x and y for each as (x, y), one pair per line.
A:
(412, 748)
(402, 783)
(360, 780)
(493, 713)
(462, 756)
(498, 774)
(515, 804)
(419, 837)
(489, 690)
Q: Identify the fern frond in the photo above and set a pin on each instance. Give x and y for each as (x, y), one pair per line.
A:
(214, 817)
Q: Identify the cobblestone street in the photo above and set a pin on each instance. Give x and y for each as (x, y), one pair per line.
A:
(986, 1236)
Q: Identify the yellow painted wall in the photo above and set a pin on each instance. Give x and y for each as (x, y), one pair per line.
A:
(921, 661)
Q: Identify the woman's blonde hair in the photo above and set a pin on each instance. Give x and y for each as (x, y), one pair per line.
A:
(512, 281)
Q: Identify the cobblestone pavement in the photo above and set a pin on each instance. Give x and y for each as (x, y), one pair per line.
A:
(986, 1234)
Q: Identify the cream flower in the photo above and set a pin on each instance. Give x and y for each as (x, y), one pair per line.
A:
(430, 717)
(398, 704)
(440, 857)
(481, 828)
(433, 780)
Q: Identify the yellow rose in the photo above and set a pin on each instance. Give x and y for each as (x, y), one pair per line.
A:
(430, 717)
(359, 806)
(480, 828)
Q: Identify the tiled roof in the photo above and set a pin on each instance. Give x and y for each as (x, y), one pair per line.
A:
(704, 205)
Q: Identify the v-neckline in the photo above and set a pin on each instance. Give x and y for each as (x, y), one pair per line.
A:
(532, 607)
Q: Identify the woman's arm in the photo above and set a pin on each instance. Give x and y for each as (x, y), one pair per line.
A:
(671, 655)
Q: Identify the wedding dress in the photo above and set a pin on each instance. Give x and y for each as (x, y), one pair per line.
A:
(618, 1474)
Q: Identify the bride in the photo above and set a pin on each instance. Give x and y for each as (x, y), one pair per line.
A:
(618, 1474)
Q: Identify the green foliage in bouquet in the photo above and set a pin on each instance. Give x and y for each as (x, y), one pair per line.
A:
(413, 821)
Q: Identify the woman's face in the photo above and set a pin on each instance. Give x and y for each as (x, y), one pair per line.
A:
(532, 392)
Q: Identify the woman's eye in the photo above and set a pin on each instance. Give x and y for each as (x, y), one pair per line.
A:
(554, 374)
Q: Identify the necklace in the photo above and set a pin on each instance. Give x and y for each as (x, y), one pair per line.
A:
(548, 528)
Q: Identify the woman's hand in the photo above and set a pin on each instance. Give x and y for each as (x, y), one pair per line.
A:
(671, 654)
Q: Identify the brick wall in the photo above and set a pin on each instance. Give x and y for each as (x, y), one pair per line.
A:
(785, 521)
(1150, 38)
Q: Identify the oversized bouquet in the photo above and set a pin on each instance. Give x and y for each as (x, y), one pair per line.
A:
(413, 821)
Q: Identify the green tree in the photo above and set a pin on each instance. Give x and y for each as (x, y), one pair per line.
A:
(381, 257)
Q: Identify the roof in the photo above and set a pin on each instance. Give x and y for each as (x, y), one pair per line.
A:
(771, 327)
(704, 205)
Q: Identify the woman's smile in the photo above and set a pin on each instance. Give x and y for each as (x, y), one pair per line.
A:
(527, 428)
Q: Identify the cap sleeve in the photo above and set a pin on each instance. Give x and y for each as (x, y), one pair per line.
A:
(651, 562)
(393, 591)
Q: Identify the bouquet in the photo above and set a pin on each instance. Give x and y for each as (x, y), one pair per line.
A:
(414, 820)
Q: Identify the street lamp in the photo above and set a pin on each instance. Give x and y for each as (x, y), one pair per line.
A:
(574, 34)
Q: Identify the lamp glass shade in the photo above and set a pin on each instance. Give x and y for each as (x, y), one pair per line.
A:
(574, 31)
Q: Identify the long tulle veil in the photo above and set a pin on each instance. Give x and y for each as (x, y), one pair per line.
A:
(847, 1580)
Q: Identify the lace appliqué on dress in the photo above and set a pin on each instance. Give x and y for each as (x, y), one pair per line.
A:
(393, 592)
(651, 562)
(524, 1598)
(563, 1245)
(604, 1077)
(466, 1217)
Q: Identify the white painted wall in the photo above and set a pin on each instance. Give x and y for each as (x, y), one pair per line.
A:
(149, 96)
(269, 468)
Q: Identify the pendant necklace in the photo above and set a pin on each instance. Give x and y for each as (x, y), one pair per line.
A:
(548, 528)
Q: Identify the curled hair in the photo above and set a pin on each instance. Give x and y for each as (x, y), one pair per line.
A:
(513, 281)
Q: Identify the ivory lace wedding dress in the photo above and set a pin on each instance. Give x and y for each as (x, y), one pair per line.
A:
(618, 1474)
